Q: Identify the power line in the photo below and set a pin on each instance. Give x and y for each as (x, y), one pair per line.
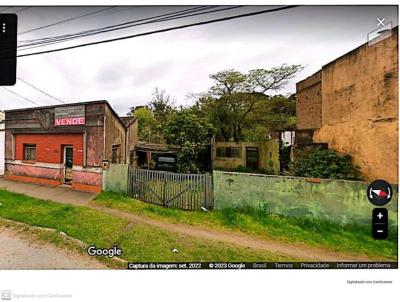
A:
(67, 20)
(7, 8)
(40, 90)
(161, 30)
(171, 16)
(155, 19)
(118, 26)
(18, 11)
(99, 31)
(21, 96)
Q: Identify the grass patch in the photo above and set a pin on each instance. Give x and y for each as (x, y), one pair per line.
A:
(353, 239)
(152, 244)
(84, 224)
(140, 243)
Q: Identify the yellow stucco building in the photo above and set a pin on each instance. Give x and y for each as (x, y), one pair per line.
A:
(252, 155)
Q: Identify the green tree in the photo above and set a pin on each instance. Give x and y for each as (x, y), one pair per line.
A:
(276, 113)
(147, 125)
(187, 126)
(235, 96)
(162, 105)
(153, 117)
(191, 132)
(217, 111)
(228, 82)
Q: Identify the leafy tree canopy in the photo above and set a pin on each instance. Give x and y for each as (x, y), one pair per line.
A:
(153, 116)
(186, 126)
(235, 99)
(238, 106)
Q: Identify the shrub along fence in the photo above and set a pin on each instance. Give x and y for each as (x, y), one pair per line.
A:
(336, 200)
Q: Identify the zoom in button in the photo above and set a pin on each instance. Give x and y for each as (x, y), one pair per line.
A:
(380, 223)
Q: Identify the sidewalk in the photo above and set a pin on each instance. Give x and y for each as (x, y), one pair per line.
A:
(59, 194)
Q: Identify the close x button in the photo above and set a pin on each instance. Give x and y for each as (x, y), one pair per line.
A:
(380, 223)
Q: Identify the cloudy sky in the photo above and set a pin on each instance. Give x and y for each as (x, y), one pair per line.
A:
(126, 72)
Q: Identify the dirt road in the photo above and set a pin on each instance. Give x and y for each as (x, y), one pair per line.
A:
(18, 252)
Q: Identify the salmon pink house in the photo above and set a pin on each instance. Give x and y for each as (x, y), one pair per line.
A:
(67, 144)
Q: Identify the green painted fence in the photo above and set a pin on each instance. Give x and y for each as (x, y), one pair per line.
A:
(335, 200)
(115, 178)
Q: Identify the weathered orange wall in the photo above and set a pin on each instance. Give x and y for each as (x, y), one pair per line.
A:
(360, 108)
(114, 135)
(309, 102)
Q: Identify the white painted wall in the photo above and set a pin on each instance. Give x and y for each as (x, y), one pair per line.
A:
(287, 137)
(2, 141)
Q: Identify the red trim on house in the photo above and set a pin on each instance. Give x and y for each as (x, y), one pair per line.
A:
(42, 181)
(87, 188)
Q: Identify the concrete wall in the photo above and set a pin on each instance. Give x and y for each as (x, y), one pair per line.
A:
(268, 153)
(87, 176)
(228, 162)
(114, 135)
(335, 200)
(94, 135)
(51, 174)
(308, 102)
(115, 178)
(359, 107)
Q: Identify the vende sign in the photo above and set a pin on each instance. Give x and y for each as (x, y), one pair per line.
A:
(69, 116)
(66, 121)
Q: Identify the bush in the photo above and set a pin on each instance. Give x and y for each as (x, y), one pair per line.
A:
(187, 158)
(327, 163)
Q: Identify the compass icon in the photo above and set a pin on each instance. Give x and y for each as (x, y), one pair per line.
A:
(379, 192)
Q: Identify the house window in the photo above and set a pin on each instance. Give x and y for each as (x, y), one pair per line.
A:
(115, 154)
(230, 152)
(29, 152)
